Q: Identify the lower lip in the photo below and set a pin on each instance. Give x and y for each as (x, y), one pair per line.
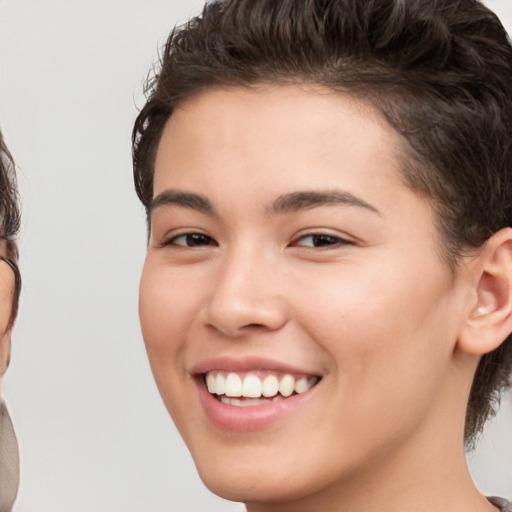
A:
(245, 419)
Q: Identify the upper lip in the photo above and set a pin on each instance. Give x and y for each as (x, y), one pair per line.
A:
(246, 364)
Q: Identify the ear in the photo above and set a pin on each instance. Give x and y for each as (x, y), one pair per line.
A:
(490, 318)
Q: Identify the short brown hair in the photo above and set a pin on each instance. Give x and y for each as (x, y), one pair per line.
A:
(438, 70)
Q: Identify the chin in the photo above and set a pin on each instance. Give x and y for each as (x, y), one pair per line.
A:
(252, 486)
(266, 480)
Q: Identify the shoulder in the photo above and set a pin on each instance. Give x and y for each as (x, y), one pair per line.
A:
(502, 504)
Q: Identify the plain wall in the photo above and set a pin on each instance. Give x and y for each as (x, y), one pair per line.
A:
(94, 434)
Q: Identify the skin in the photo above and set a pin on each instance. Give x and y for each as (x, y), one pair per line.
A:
(7, 284)
(373, 309)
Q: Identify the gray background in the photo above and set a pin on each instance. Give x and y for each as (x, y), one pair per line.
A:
(94, 435)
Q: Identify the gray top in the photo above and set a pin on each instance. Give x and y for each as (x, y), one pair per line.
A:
(9, 461)
(504, 505)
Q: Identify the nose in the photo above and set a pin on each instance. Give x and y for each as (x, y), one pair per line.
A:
(246, 297)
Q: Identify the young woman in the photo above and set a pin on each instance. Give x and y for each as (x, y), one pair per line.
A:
(10, 284)
(326, 300)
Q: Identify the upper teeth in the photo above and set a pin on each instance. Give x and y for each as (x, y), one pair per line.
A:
(252, 386)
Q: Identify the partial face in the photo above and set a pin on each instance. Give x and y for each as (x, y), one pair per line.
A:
(297, 315)
(6, 297)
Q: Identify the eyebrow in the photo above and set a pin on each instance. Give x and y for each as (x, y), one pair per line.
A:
(303, 200)
(172, 197)
(285, 203)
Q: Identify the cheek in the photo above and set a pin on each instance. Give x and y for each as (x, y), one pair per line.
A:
(6, 300)
(164, 321)
(389, 343)
(390, 327)
(163, 317)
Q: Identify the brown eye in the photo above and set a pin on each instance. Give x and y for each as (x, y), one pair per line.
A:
(191, 240)
(320, 240)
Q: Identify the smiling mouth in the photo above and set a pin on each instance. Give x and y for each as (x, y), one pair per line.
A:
(251, 389)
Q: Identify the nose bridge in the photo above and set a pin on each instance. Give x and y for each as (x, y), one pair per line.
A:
(246, 292)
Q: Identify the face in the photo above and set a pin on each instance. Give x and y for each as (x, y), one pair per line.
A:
(297, 315)
(6, 297)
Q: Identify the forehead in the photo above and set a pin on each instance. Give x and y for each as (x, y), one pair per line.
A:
(273, 131)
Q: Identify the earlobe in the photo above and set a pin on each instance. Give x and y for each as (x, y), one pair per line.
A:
(490, 319)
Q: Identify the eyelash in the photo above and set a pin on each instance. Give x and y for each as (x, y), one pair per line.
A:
(324, 240)
(318, 241)
(189, 237)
